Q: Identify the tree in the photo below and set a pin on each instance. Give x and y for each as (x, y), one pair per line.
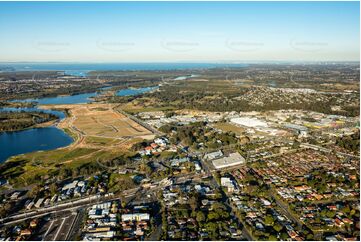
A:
(53, 189)
(169, 114)
(213, 216)
(218, 206)
(5, 209)
(284, 236)
(346, 209)
(123, 203)
(330, 214)
(193, 203)
(200, 217)
(309, 236)
(144, 167)
(65, 173)
(272, 238)
(269, 220)
(277, 227)
(212, 229)
(34, 191)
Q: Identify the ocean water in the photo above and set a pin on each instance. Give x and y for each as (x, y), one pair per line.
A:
(81, 69)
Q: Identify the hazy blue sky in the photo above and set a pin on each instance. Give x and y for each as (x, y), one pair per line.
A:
(179, 31)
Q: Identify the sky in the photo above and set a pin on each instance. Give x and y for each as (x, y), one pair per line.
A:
(179, 31)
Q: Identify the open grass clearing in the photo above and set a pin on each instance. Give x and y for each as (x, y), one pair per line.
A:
(227, 127)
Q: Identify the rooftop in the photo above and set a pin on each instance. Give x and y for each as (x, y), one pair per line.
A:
(232, 160)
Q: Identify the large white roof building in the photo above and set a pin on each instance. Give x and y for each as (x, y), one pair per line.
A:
(232, 160)
(249, 122)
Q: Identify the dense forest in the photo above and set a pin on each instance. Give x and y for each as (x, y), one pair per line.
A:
(12, 121)
(198, 134)
(17, 104)
(350, 142)
(226, 101)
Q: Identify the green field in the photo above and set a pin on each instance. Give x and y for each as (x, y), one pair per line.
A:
(227, 127)
(36, 167)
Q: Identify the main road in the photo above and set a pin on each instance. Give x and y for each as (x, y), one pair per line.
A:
(139, 121)
(86, 202)
(69, 206)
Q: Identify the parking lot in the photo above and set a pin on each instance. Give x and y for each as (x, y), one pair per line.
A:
(57, 228)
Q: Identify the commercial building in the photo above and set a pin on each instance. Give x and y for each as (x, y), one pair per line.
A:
(213, 155)
(39, 203)
(300, 130)
(135, 217)
(249, 122)
(232, 160)
(229, 184)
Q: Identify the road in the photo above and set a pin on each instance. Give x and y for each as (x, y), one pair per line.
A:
(156, 234)
(284, 209)
(316, 147)
(140, 122)
(66, 207)
(157, 231)
(208, 170)
(85, 202)
(75, 228)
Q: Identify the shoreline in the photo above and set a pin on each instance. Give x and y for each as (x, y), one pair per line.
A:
(35, 126)
(52, 123)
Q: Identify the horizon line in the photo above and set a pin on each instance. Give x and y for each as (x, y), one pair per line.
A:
(178, 62)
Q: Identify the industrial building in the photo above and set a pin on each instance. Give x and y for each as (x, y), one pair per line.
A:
(249, 122)
(232, 160)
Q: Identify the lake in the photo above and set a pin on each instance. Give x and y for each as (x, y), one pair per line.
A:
(85, 97)
(29, 140)
(135, 91)
(73, 99)
(36, 139)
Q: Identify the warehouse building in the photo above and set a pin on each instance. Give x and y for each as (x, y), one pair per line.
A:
(232, 160)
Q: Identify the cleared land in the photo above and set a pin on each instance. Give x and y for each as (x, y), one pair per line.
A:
(227, 127)
(101, 126)
(100, 120)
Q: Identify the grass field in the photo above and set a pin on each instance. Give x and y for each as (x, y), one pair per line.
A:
(29, 168)
(144, 105)
(38, 164)
(229, 127)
